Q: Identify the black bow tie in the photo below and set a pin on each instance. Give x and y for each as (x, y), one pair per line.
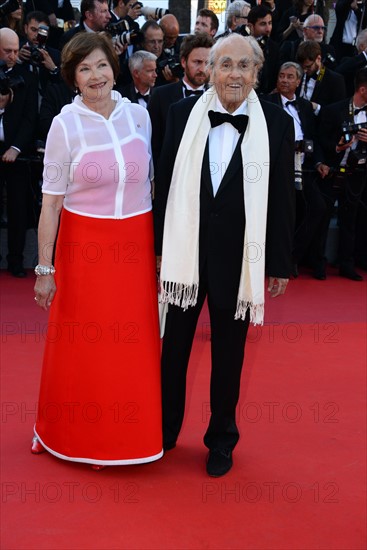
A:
(311, 76)
(141, 96)
(361, 110)
(238, 121)
(192, 92)
(294, 103)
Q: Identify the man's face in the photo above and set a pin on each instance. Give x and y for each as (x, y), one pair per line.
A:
(153, 41)
(146, 76)
(9, 48)
(315, 29)
(239, 20)
(310, 67)
(31, 30)
(195, 67)
(288, 82)
(170, 37)
(204, 24)
(262, 27)
(234, 73)
(98, 18)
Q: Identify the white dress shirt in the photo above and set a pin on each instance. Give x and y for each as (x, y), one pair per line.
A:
(222, 143)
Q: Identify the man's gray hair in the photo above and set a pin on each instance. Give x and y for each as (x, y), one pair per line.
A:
(293, 65)
(136, 61)
(361, 40)
(257, 53)
(310, 20)
(235, 9)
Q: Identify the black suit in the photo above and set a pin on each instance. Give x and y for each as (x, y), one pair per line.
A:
(160, 102)
(311, 207)
(42, 74)
(19, 123)
(342, 9)
(130, 92)
(222, 224)
(349, 195)
(329, 89)
(348, 68)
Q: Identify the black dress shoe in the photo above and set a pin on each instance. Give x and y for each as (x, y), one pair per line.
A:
(18, 272)
(219, 462)
(319, 272)
(169, 445)
(349, 273)
(295, 272)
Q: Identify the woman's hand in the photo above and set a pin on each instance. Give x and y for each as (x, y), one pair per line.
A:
(44, 289)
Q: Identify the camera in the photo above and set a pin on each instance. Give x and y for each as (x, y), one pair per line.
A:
(173, 63)
(349, 129)
(8, 82)
(303, 146)
(36, 57)
(155, 13)
(8, 7)
(121, 33)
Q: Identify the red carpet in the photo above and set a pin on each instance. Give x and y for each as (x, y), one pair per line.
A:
(299, 469)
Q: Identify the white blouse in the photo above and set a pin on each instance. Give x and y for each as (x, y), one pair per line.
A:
(103, 167)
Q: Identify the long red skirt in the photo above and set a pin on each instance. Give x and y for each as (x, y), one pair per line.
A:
(100, 397)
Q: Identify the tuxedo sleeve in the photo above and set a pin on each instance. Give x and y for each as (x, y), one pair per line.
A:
(163, 175)
(281, 202)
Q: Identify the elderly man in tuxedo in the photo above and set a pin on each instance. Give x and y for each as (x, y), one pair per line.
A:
(224, 188)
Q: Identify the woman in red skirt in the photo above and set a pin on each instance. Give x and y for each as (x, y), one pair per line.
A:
(100, 399)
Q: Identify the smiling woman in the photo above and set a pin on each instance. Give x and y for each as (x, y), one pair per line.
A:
(97, 173)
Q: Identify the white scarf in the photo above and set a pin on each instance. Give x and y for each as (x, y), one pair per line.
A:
(180, 255)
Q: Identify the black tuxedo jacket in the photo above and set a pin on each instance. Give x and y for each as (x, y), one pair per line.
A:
(56, 96)
(20, 117)
(342, 9)
(160, 102)
(222, 217)
(328, 90)
(307, 119)
(348, 68)
(42, 74)
(129, 92)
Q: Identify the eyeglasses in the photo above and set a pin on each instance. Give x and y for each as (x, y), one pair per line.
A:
(316, 28)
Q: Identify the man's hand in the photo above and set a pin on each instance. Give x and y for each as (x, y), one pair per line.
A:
(24, 54)
(47, 61)
(277, 286)
(362, 135)
(134, 10)
(10, 155)
(323, 170)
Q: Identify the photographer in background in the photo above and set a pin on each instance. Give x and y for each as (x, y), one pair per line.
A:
(343, 137)
(60, 17)
(129, 10)
(350, 65)
(260, 22)
(95, 17)
(194, 54)
(36, 55)
(11, 15)
(18, 119)
(351, 18)
(171, 47)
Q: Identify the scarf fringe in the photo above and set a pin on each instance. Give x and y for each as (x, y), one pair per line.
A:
(256, 312)
(178, 294)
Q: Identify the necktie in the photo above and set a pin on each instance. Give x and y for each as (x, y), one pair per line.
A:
(141, 96)
(238, 121)
(356, 111)
(294, 103)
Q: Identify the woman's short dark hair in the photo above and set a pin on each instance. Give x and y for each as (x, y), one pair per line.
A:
(79, 47)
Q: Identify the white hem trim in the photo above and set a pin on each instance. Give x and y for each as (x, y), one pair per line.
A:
(101, 462)
(107, 217)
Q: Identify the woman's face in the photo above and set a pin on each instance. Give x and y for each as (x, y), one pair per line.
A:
(17, 14)
(94, 77)
(308, 3)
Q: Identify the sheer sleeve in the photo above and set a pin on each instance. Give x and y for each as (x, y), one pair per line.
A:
(57, 161)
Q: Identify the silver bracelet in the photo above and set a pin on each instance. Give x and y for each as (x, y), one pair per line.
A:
(44, 270)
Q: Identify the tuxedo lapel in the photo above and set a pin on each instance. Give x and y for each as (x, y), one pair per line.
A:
(205, 171)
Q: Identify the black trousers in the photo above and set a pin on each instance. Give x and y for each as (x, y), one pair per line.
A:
(228, 339)
(16, 178)
(349, 196)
